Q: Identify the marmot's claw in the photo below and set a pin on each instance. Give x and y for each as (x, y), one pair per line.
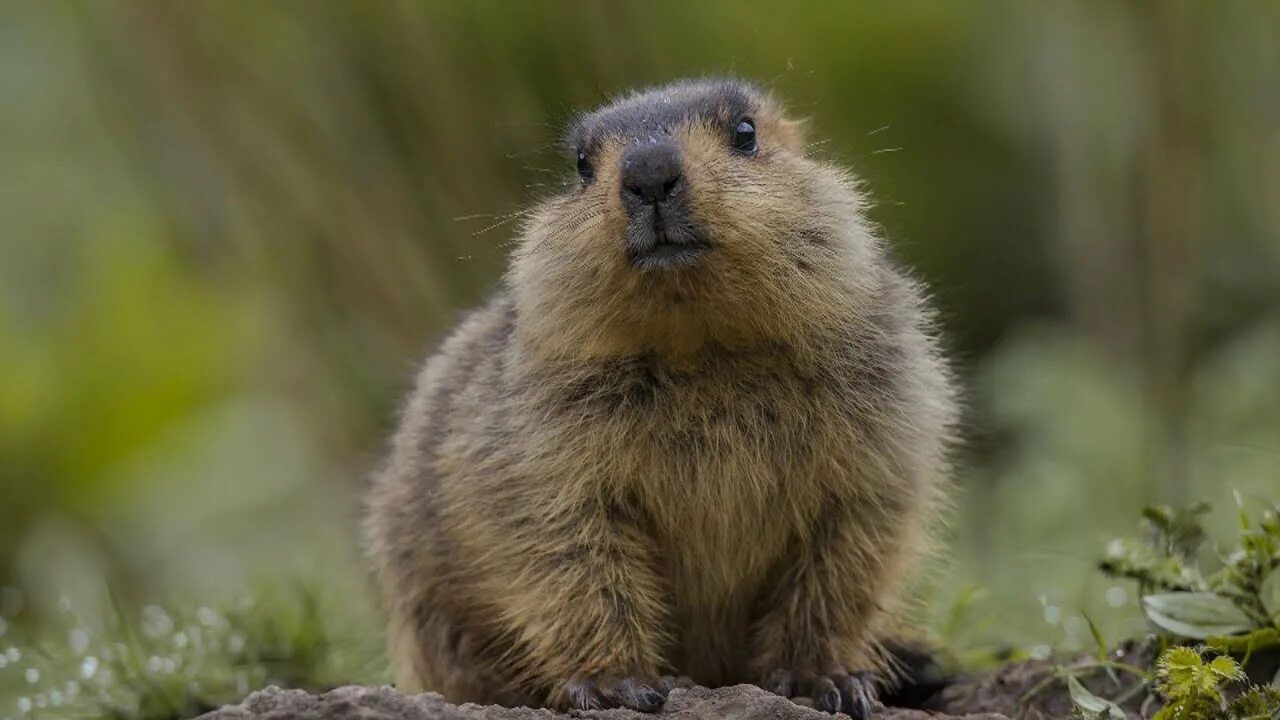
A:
(637, 695)
(667, 683)
(780, 682)
(852, 694)
(859, 692)
(593, 693)
(825, 694)
(584, 694)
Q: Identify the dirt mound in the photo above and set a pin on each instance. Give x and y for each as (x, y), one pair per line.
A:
(353, 702)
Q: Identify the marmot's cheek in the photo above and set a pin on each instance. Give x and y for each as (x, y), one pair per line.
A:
(701, 208)
(613, 244)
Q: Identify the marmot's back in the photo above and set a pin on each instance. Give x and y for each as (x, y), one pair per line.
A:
(702, 432)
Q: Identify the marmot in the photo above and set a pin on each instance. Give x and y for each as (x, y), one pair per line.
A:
(701, 431)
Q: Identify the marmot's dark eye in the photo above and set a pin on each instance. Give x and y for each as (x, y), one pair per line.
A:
(744, 137)
(585, 170)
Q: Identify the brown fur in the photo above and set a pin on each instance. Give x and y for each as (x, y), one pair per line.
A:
(717, 470)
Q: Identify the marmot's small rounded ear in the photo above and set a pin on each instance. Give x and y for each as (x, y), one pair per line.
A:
(791, 135)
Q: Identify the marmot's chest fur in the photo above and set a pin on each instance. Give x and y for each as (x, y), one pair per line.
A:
(722, 459)
(702, 432)
(727, 462)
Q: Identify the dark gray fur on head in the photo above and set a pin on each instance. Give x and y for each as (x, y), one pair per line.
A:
(652, 112)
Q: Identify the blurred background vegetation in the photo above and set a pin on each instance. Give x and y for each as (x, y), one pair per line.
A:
(231, 230)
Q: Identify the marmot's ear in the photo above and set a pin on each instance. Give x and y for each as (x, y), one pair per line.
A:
(791, 134)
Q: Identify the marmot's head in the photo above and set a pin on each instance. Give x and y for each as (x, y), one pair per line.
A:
(695, 220)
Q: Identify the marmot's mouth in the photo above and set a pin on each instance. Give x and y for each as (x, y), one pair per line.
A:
(669, 254)
(665, 243)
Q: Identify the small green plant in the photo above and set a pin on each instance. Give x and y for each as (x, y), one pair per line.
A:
(1235, 609)
(1192, 687)
(1260, 702)
(1195, 687)
(1208, 623)
(165, 663)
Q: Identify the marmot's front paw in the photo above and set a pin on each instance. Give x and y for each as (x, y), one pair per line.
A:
(599, 693)
(850, 693)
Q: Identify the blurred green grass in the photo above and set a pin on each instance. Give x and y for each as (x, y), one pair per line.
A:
(230, 231)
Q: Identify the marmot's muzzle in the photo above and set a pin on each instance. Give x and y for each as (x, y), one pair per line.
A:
(651, 174)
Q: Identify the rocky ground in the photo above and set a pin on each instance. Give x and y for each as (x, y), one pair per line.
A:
(999, 695)
(741, 702)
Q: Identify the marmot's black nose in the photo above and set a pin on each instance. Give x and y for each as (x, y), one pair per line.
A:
(650, 172)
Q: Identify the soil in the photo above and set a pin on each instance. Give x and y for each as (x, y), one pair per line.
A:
(740, 702)
(1025, 690)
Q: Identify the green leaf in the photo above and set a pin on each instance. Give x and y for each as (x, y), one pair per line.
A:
(1225, 668)
(1196, 615)
(1159, 515)
(1179, 667)
(1091, 705)
(1269, 593)
(1097, 638)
